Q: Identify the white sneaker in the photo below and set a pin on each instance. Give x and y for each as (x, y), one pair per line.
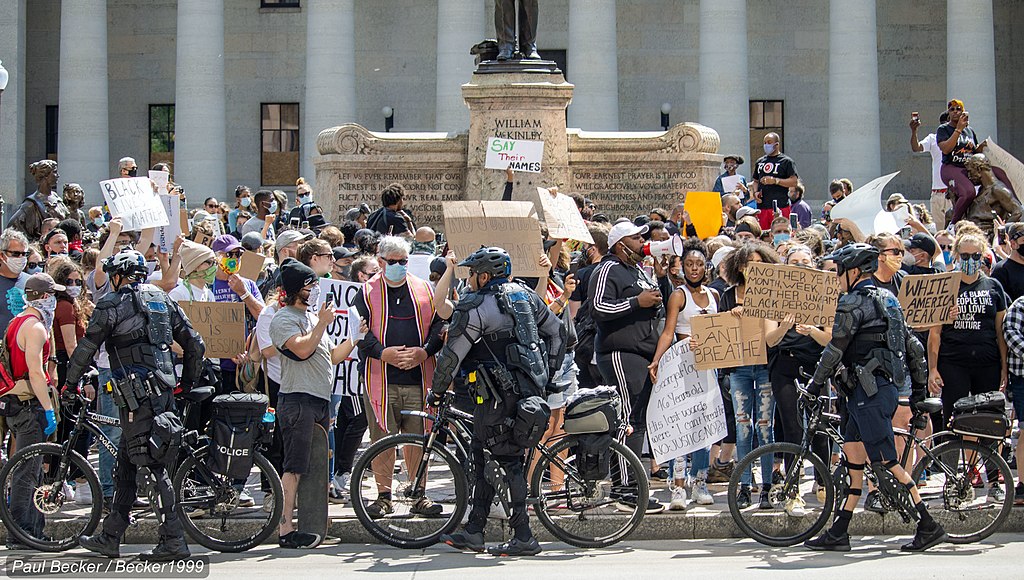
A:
(700, 493)
(796, 507)
(678, 502)
(819, 491)
(245, 500)
(83, 495)
(996, 493)
(69, 492)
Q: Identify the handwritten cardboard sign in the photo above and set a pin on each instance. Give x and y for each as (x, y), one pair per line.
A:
(133, 200)
(516, 155)
(201, 238)
(165, 235)
(726, 340)
(562, 217)
(160, 179)
(686, 412)
(775, 291)
(926, 299)
(250, 265)
(341, 296)
(221, 324)
(512, 225)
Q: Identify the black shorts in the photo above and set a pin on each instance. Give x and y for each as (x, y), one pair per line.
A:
(870, 421)
(297, 413)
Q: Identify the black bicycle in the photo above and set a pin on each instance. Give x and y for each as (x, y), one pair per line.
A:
(581, 506)
(205, 499)
(810, 491)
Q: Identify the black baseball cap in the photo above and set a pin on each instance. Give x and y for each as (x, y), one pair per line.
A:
(922, 241)
(295, 276)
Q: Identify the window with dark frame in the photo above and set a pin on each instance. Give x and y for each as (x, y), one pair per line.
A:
(279, 136)
(765, 117)
(51, 131)
(279, 3)
(161, 134)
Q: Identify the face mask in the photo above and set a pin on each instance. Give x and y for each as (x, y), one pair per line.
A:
(46, 306)
(768, 148)
(273, 207)
(970, 266)
(1020, 250)
(693, 284)
(779, 238)
(424, 248)
(947, 256)
(304, 199)
(17, 264)
(894, 262)
(35, 270)
(632, 256)
(314, 296)
(346, 271)
(74, 291)
(395, 272)
(206, 275)
(246, 201)
(230, 265)
(98, 222)
(133, 172)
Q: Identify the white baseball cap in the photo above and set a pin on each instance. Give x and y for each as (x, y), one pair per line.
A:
(624, 230)
(720, 255)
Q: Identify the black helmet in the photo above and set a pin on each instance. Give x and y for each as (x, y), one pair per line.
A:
(859, 255)
(494, 261)
(127, 263)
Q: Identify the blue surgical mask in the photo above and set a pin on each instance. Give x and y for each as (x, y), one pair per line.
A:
(970, 266)
(779, 238)
(98, 222)
(395, 272)
(245, 201)
(304, 199)
(273, 207)
(768, 148)
(947, 256)
(35, 270)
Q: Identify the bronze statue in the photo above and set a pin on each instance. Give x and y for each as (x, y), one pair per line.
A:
(42, 204)
(505, 28)
(74, 197)
(994, 198)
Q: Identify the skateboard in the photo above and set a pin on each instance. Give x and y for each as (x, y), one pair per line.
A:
(312, 492)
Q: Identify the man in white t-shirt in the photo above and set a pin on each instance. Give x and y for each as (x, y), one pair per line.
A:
(939, 203)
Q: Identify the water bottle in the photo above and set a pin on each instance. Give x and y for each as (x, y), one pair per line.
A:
(270, 416)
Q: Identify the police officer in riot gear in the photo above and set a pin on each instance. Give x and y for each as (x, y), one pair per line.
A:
(871, 339)
(510, 345)
(138, 322)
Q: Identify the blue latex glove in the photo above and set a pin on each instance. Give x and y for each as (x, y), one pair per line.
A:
(51, 423)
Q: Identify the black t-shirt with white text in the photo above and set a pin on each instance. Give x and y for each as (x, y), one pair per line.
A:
(964, 148)
(779, 166)
(971, 338)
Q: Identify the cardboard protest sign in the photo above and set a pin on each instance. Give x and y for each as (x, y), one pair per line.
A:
(221, 324)
(1010, 165)
(419, 265)
(165, 235)
(926, 299)
(726, 340)
(511, 225)
(864, 208)
(516, 155)
(775, 291)
(562, 217)
(133, 200)
(250, 265)
(686, 412)
(201, 238)
(183, 220)
(341, 296)
(705, 209)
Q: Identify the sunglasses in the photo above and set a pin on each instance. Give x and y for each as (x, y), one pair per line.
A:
(234, 254)
(73, 283)
(325, 254)
(975, 256)
(212, 206)
(946, 247)
(402, 261)
(31, 265)
(893, 251)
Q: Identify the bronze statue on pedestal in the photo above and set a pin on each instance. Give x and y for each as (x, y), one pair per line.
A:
(505, 28)
(994, 198)
(74, 197)
(42, 204)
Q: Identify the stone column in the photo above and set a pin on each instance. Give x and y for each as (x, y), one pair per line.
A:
(853, 135)
(593, 66)
(200, 144)
(12, 104)
(724, 96)
(330, 73)
(971, 62)
(460, 25)
(83, 149)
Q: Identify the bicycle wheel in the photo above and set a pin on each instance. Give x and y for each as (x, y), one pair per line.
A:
(967, 513)
(210, 509)
(579, 501)
(797, 514)
(389, 466)
(36, 508)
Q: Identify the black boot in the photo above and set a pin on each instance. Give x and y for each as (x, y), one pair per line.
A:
(102, 543)
(168, 550)
(926, 537)
(465, 541)
(826, 542)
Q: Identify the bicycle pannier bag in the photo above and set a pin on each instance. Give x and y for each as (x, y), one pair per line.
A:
(993, 402)
(234, 430)
(530, 421)
(593, 411)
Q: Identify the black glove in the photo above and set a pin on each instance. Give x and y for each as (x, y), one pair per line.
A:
(814, 388)
(434, 398)
(917, 396)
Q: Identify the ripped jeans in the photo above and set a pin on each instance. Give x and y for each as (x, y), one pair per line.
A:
(754, 405)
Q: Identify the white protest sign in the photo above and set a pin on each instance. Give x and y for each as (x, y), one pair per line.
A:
(686, 412)
(341, 296)
(165, 235)
(562, 217)
(160, 178)
(515, 155)
(864, 206)
(1010, 165)
(133, 200)
(729, 183)
(419, 265)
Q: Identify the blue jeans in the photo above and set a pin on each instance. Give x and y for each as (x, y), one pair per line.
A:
(1016, 388)
(700, 460)
(331, 444)
(753, 401)
(105, 406)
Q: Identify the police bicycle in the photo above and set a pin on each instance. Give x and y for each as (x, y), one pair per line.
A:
(205, 500)
(575, 506)
(809, 492)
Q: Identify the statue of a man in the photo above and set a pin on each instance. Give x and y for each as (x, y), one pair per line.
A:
(505, 28)
(994, 198)
(74, 197)
(42, 204)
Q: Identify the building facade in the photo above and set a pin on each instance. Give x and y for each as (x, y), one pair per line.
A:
(235, 91)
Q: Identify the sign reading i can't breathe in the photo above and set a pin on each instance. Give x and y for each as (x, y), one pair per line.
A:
(514, 155)
(133, 200)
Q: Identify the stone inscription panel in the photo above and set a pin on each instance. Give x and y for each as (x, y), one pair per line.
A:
(425, 191)
(622, 192)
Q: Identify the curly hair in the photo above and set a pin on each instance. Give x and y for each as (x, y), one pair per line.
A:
(736, 262)
(61, 269)
(696, 245)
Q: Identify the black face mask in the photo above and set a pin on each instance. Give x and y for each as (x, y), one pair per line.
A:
(133, 172)
(693, 284)
(1020, 250)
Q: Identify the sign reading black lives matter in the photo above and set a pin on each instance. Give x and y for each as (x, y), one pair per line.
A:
(928, 299)
(774, 291)
(133, 200)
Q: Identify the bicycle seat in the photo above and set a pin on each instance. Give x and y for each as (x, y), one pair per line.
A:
(930, 405)
(198, 394)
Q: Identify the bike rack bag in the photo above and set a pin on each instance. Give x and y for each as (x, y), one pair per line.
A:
(982, 415)
(234, 431)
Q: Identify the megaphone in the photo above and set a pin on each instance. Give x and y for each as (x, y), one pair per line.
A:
(670, 247)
